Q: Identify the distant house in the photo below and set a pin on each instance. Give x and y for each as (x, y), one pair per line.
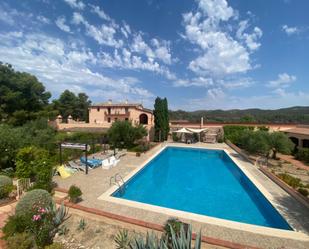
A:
(299, 135)
(106, 113)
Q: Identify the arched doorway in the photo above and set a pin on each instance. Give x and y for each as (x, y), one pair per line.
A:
(143, 119)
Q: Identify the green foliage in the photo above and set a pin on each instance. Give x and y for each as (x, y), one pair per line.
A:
(254, 141)
(74, 193)
(123, 133)
(21, 241)
(247, 119)
(296, 114)
(16, 224)
(122, 239)
(303, 191)
(303, 154)
(35, 163)
(259, 141)
(279, 142)
(263, 128)
(6, 186)
(71, 104)
(22, 96)
(172, 224)
(82, 225)
(294, 182)
(32, 200)
(234, 132)
(41, 222)
(161, 119)
(36, 133)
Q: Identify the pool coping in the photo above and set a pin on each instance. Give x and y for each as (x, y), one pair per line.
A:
(268, 231)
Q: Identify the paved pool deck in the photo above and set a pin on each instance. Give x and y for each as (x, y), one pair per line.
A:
(97, 182)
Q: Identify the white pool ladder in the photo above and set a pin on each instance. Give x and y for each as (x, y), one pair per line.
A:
(118, 181)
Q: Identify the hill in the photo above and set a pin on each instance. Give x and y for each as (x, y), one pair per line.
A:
(296, 114)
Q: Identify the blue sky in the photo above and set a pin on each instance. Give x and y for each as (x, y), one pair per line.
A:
(203, 54)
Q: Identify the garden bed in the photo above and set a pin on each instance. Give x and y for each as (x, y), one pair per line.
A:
(97, 233)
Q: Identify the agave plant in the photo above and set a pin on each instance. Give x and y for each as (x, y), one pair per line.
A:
(181, 240)
(60, 214)
(122, 239)
(151, 242)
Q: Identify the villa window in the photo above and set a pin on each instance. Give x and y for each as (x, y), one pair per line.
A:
(126, 110)
(109, 110)
(98, 109)
(126, 119)
(108, 120)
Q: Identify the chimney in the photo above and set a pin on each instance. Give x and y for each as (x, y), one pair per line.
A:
(109, 101)
(126, 102)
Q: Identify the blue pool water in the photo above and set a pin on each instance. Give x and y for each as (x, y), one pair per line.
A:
(205, 182)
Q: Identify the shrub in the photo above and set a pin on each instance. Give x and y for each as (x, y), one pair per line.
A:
(74, 194)
(32, 200)
(233, 132)
(20, 241)
(303, 191)
(290, 180)
(172, 224)
(35, 163)
(124, 133)
(303, 154)
(6, 186)
(15, 224)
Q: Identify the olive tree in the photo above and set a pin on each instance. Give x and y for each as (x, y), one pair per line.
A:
(279, 142)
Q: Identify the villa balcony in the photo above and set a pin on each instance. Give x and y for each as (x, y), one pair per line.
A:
(127, 114)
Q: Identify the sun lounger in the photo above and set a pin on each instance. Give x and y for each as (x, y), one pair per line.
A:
(93, 163)
(63, 172)
(74, 165)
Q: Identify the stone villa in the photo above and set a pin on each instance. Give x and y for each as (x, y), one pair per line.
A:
(106, 113)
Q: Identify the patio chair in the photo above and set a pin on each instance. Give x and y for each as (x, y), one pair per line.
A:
(74, 165)
(107, 164)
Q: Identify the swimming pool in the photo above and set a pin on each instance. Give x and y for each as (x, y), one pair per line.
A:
(201, 181)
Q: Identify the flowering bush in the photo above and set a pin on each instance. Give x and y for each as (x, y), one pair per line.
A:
(41, 220)
(33, 200)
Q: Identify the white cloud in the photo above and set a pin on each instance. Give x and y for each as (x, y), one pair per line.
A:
(103, 34)
(77, 4)
(99, 12)
(221, 54)
(198, 82)
(43, 19)
(216, 10)
(283, 80)
(126, 60)
(61, 66)
(60, 22)
(290, 30)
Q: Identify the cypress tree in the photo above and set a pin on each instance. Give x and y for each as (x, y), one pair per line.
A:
(161, 119)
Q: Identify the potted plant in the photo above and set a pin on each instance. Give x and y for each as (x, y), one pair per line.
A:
(74, 194)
